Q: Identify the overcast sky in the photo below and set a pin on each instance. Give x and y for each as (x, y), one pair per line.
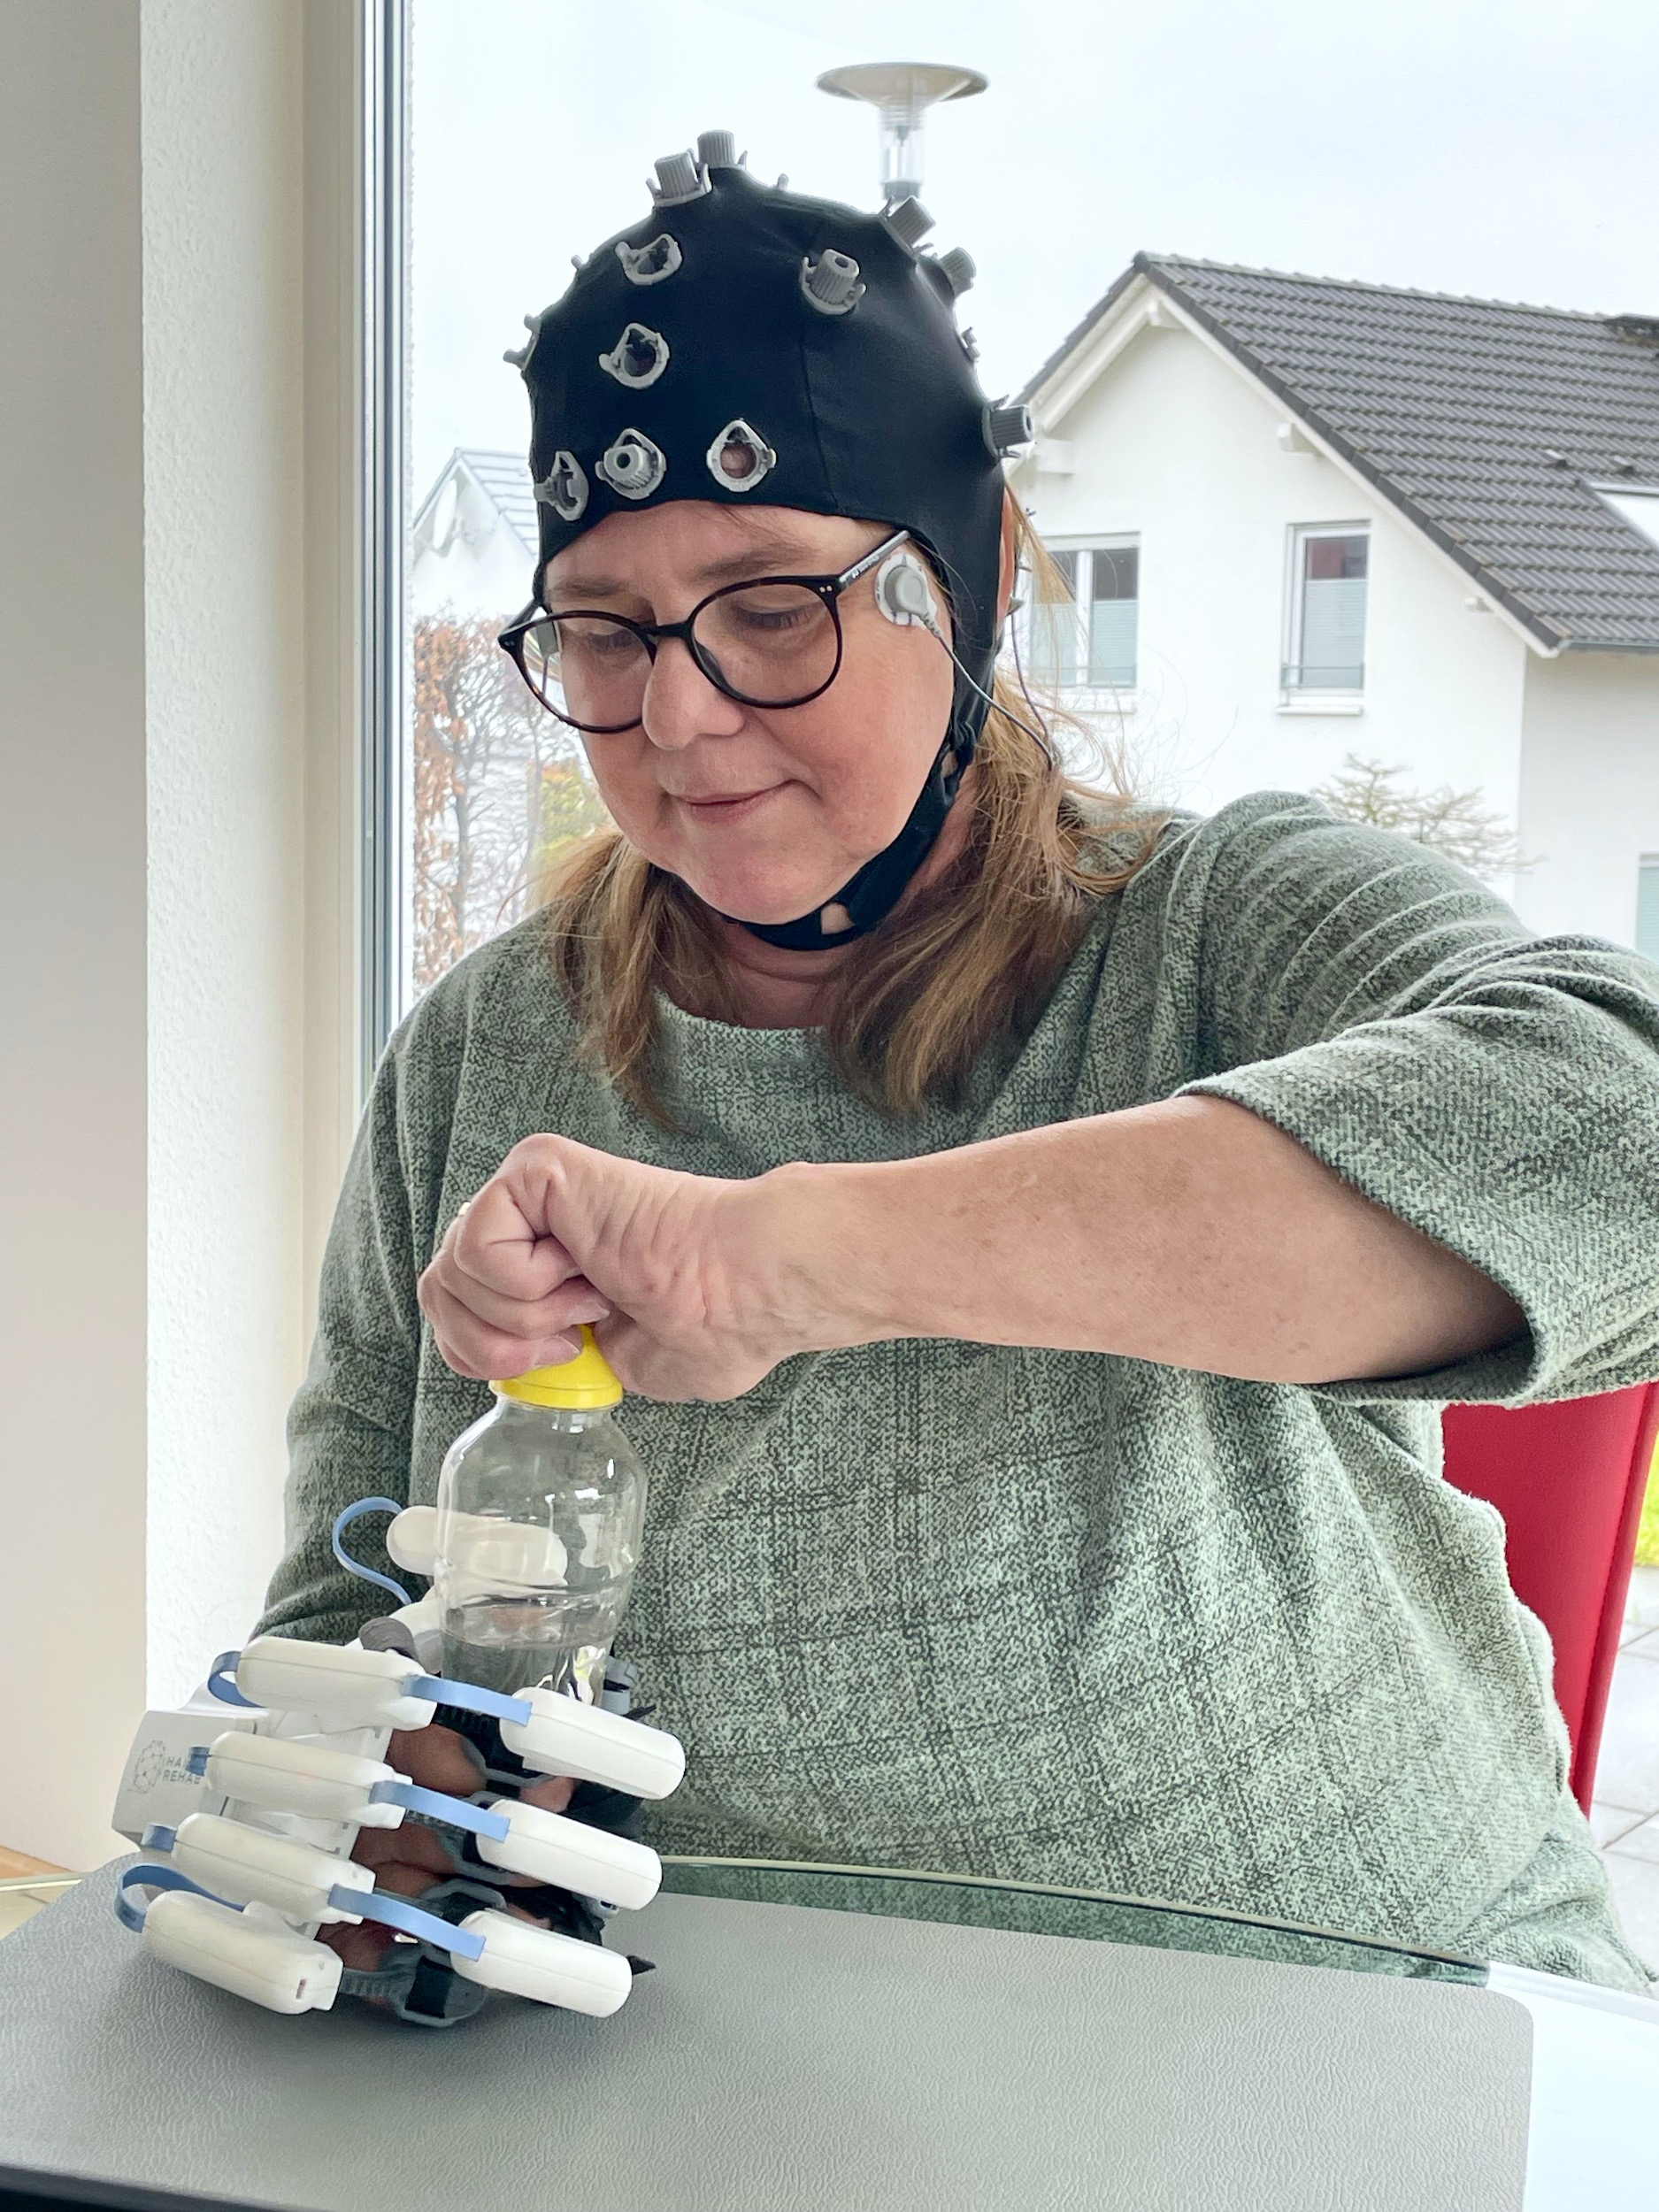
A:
(1507, 150)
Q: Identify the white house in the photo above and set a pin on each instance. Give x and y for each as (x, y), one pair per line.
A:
(472, 542)
(1307, 519)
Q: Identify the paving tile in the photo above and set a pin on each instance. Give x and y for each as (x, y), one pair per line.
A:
(15, 1907)
(1641, 1607)
(1636, 1888)
(1642, 1841)
(1627, 1770)
(1609, 1823)
(20, 1901)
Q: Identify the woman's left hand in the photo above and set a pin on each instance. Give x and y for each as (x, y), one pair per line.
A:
(680, 1274)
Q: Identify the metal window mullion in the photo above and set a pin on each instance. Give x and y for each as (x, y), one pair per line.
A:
(1083, 604)
(1647, 905)
(384, 812)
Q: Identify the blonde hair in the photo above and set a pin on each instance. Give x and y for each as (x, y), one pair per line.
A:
(964, 964)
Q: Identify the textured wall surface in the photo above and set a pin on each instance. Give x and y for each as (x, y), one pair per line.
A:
(224, 518)
(72, 922)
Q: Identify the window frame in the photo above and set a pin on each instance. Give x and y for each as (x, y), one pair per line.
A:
(1647, 866)
(1090, 542)
(1324, 699)
(384, 798)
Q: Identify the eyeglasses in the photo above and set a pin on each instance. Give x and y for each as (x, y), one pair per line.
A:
(774, 642)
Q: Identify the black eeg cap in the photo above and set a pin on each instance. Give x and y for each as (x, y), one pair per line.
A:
(751, 345)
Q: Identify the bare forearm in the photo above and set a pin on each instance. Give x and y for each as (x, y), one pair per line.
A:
(1190, 1233)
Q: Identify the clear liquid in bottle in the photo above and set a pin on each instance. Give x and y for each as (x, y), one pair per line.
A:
(541, 1510)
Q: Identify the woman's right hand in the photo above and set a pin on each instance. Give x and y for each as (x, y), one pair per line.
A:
(409, 1858)
(686, 1279)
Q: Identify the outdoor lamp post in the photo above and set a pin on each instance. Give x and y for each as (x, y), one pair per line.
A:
(901, 92)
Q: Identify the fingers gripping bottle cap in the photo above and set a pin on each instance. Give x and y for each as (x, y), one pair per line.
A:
(540, 1513)
(580, 1384)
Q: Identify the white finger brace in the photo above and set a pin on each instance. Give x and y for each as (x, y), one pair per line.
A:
(249, 1800)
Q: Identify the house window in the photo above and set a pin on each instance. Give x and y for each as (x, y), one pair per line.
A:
(1326, 639)
(1647, 906)
(1638, 506)
(1088, 637)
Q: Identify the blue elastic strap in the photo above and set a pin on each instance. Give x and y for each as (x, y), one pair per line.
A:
(397, 1912)
(196, 1764)
(455, 1810)
(343, 1521)
(221, 1681)
(157, 1837)
(469, 1697)
(132, 1916)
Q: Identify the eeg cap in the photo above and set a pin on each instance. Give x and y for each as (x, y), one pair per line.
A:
(750, 345)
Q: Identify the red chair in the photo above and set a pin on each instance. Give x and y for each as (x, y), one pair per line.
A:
(1569, 1480)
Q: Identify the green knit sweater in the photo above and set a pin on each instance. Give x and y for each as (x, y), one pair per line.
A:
(1052, 1615)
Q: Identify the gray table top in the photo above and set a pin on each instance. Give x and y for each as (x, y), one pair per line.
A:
(781, 2057)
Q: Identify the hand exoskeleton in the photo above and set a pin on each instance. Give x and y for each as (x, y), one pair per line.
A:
(251, 1797)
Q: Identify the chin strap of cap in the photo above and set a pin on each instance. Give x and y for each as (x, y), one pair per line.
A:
(870, 895)
(877, 889)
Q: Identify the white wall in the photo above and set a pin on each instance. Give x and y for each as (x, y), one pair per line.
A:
(1170, 442)
(224, 522)
(1589, 790)
(72, 922)
(159, 919)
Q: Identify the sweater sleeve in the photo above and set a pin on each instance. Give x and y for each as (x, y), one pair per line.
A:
(1498, 1091)
(351, 1423)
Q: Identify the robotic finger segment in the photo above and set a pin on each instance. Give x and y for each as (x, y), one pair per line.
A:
(291, 1776)
(563, 1736)
(343, 1688)
(554, 1970)
(548, 1847)
(252, 1954)
(252, 1866)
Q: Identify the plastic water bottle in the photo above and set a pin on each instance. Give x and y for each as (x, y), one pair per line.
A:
(541, 1510)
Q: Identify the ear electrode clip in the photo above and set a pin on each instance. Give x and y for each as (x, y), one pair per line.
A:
(903, 594)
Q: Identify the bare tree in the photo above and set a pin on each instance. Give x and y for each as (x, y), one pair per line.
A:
(1457, 824)
(497, 780)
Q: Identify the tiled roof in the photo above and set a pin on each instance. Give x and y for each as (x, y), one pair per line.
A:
(506, 478)
(1486, 424)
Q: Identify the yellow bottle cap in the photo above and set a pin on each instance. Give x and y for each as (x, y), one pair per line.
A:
(581, 1384)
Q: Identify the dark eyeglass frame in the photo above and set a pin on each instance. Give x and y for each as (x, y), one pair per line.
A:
(828, 588)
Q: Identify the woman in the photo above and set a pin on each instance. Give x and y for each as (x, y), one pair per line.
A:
(1040, 1241)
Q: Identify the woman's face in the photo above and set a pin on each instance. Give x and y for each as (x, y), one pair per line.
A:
(764, 811)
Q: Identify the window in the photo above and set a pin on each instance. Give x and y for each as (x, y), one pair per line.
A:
(1647, 906)
(498, 788)
(1088, 640)
(1326, 639)
(1637, 505)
